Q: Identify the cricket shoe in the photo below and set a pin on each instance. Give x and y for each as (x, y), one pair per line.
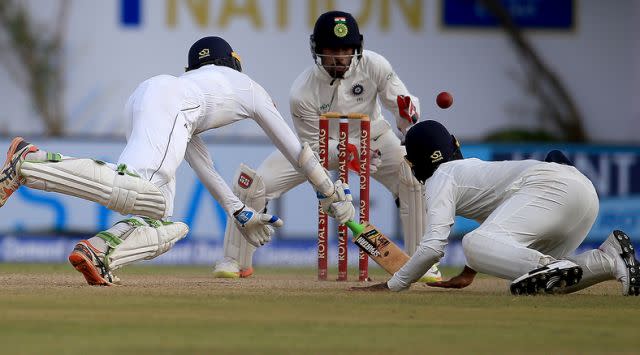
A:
(10, 180)
(551, 278)
(88, 260)
(618, 245)
(432, 275)
(229, 269)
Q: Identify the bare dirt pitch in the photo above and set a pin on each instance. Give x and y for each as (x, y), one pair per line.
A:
(165, 279)
(173, 310)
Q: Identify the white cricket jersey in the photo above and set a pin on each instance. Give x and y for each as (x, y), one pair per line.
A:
(314, 92)
(470, 188)
(202, 99)
(226, 96)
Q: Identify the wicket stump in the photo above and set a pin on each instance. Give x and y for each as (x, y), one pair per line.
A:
(363, 173)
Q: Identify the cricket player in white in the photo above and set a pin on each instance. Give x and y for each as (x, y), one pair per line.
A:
(166, 114)
(343, 79)
(533, 215)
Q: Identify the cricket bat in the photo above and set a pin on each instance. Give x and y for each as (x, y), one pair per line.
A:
(382, 250)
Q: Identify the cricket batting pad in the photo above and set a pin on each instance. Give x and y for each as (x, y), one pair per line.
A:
(93, 180)
(250, 189)
(145, 243)
(413, 214)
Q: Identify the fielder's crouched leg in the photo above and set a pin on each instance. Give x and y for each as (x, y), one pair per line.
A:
(413, 213)
(238, 253)
(138, 239)
(627, 268)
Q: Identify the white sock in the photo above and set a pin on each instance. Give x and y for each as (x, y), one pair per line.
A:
(38, 156)
(597, 267)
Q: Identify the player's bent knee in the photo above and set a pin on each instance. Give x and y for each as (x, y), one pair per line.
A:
(469, 247)
(146, 242)
(467, 241)
(249, 187)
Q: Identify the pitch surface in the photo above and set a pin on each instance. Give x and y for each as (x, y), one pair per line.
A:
(175, 310)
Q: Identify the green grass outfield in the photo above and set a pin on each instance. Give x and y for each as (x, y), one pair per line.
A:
(48, 309)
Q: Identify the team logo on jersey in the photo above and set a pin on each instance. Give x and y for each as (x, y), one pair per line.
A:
(244, 181)
(357, 89)
(340, 29)
(203, 53)
(436, 156)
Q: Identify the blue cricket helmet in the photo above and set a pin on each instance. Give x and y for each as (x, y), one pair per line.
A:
(213, 50)
(336, 29)
(430, 144)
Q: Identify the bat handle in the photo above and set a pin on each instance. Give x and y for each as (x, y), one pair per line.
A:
(355, 227)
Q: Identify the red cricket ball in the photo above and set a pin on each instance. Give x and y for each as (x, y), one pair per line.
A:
(444, 100)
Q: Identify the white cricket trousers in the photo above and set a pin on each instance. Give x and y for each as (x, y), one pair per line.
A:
(548, 213)
(157, 134)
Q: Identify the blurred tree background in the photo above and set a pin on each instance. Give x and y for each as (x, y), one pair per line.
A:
(556, 107)
(33, 54)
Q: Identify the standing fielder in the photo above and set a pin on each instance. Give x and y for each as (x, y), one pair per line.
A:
(533, 215)
(166, 115)
(344, 79)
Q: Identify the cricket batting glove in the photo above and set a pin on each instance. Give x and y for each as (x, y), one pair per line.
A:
(339, 205)
(256, 228)
(408, 114)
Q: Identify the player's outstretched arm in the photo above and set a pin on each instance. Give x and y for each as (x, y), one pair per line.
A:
(256, 228)
(200, 161)
(335, 197)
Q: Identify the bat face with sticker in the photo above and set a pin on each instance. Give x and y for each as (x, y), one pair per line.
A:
(380, 248)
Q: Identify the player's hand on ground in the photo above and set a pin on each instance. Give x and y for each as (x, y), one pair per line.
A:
(339, 205)
(464, 279)
(373, 288)
(257, 228)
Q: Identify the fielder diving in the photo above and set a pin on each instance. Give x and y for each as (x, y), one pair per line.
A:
(344, 78)
(533, 216)
(166, 115)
